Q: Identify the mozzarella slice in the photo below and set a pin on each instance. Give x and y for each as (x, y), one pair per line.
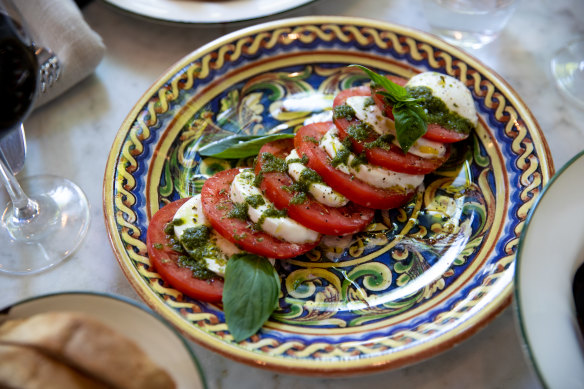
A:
(372, 115)
(371, 174)
(282, 228)
(321, 192)
(192, 216)
(450, 90)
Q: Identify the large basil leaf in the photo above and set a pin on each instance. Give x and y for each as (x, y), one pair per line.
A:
(250, 294)
(239, 146)
(410, 117)
(410, 124)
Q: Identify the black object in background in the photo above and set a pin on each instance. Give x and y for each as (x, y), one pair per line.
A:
(82, 3)
(578, 291)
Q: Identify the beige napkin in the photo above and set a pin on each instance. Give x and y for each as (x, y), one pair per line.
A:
(59, 26)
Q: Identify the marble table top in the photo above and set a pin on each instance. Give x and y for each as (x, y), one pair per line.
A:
(72, 135)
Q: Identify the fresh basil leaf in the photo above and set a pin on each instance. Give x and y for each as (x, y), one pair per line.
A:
(250, 294)
(410, 118)
(393, 91)
(239, 146)
(410, 124)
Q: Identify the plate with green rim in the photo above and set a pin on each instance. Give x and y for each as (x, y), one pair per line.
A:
(418, 280)
(550, 252)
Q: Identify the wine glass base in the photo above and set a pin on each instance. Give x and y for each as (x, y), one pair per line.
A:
(64, 205)
(567, 66)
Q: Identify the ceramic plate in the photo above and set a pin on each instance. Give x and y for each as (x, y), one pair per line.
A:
(160, 341)
(551, 249)
(206, 12)
(418, 281)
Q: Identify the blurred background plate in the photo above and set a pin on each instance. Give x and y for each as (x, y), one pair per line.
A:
(154, 336)
(433, 272)
(550, 252)
(205, 11)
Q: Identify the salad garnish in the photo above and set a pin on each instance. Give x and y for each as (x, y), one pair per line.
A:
(410, 118)
(240, 146)
(251, 295)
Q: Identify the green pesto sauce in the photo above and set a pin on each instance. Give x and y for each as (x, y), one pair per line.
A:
(301, 187)
(239, 211)
(270, 212)
(196, 242)
(342, 156)
(344, 111)
(368, 102)
(303, 160)
(255, 200)
(438, 112)
(195, 237)
(310, 139)
(270, 164)
(360, 132)
(384, 141)
(169, 231)
(299, 198)
(359, 160)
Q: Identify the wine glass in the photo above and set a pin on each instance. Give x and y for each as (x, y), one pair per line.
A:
(567, 66)
(47, 216)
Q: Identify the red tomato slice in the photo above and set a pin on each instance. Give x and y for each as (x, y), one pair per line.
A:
(440, 134)
(435, 131)
(165, 259)
(319, 217)
(394, 158)
(356, 190)
(217, 205)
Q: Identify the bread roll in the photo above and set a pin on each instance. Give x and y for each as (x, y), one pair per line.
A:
(88, 346)
(23, 367)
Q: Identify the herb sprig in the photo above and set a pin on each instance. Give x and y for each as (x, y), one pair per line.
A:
(410, 117)
(239, 146)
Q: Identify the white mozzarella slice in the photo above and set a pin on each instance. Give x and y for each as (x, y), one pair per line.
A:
(282, 228)
(371, 174)
(369, 113)
(450, 90)
(322, 193)
(192, 216)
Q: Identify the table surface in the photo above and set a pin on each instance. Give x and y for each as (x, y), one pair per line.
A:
(72, 135)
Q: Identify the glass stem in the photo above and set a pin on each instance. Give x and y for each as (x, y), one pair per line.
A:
(24, 207)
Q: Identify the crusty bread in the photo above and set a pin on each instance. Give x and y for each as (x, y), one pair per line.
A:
(23, 367)
(88, 346)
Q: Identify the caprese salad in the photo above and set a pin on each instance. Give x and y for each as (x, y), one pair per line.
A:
(327, 179)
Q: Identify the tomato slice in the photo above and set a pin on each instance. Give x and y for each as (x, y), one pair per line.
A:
(394, 158)
(440, 134)
(356, 190)
(435, 131)
(348, 219)
(217, 204)
(165, 259)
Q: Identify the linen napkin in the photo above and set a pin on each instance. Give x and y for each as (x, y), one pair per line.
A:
(59, 26)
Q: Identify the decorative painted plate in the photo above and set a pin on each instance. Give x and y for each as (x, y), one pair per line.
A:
(160, 341)
(206, 11)
(547, 259)
(419, 280)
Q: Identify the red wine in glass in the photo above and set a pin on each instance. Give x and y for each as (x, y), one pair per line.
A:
(47, 216)
(18, 70)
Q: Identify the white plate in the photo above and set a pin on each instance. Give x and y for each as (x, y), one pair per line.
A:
(550, 252)
(162, 343)
(206, 12)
